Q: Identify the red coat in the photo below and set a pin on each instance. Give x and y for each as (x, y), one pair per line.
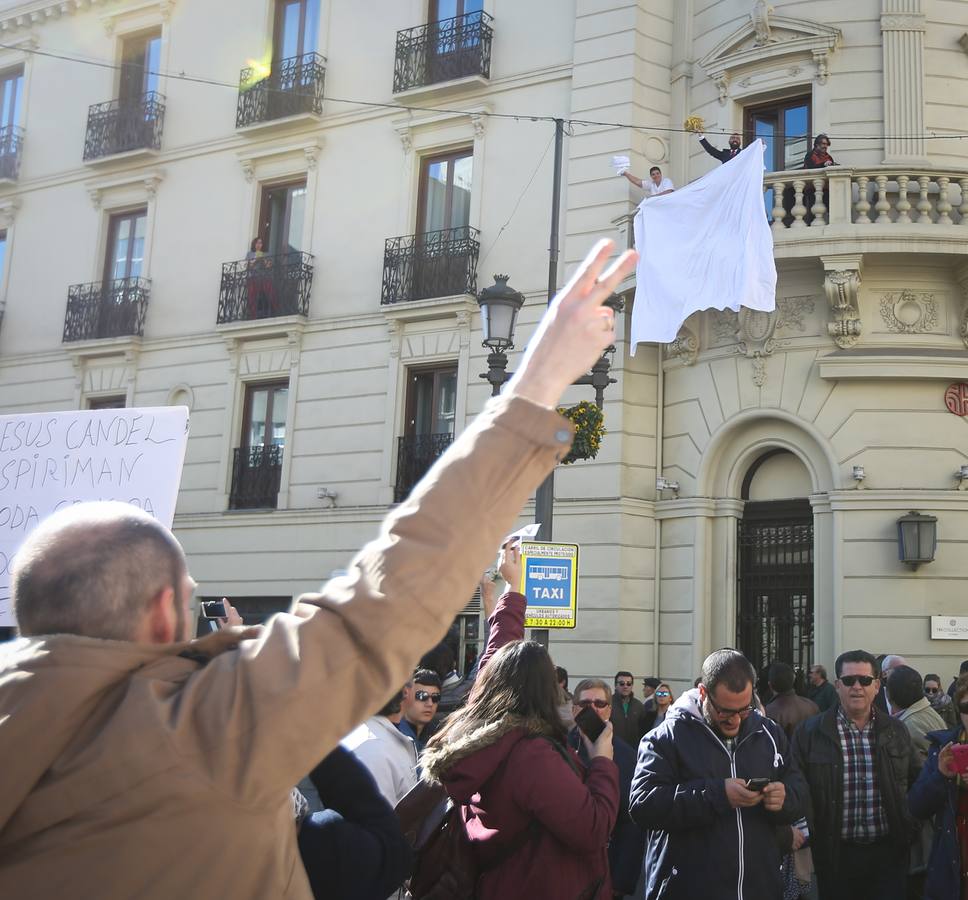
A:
(532, 782)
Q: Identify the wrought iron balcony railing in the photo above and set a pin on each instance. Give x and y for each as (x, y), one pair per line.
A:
(415, 455)
(11, 143)
(433, 264)
(106, 309)
(444, 50)
(265, 287)
(120, 126)
(255, 477)
(292, 88)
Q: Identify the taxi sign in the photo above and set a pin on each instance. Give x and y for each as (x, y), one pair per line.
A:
(549, 582)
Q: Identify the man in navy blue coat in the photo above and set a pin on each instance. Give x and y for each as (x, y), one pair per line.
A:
(627, 843)
(711, 833)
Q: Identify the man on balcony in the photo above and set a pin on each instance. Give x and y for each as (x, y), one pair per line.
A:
(818, 157)
(724, 156)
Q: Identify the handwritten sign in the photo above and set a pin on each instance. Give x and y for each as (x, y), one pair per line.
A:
(51, 460)
(549, 582)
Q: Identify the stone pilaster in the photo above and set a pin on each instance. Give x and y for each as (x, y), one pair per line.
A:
(902, 35)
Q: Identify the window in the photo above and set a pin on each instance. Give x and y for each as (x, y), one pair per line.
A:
(444, 199)
(296, 28)
(448, 9)
(115, 402)
(282, 216)
(785, 126)
(429, 424)
(257, 465)
(126, 245)
(11, 97)
(140, 64)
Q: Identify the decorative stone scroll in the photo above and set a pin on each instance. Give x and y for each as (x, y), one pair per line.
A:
(841, 286)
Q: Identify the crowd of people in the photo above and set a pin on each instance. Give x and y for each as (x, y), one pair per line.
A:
(140, 763)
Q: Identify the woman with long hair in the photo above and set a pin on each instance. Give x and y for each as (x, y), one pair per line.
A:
(537, 819)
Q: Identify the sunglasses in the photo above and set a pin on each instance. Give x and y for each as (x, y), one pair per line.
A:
(851, 680)
(423, 696)
(662, 694)
(932, 690)
(724, 713)
(598, 704)
(624, 683)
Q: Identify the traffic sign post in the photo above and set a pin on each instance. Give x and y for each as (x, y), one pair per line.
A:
(549, 582)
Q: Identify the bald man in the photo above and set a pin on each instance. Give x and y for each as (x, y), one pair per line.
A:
(139, 764)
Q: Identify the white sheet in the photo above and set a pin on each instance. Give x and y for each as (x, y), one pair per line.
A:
(708, 245)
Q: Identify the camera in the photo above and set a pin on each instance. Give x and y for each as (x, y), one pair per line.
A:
(214, 609)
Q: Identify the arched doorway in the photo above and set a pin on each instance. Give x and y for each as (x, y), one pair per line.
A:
(775, 555)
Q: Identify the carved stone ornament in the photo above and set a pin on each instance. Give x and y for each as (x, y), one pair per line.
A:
(685, 346)
(962, 276)
(721, 80)
(791, 312)
(761, 22)
(756, 329)
(723, 326)
(909, 312)
(841, 287)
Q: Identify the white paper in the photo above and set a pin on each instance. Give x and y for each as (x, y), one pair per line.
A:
(708, 245)
(621, 164)
(52, 460)
(522, 534)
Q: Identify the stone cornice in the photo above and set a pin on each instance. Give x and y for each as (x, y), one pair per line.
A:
(28, 15)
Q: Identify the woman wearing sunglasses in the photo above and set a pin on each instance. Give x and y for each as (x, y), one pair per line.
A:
(939, 700)
(941, 791)
(662, 701)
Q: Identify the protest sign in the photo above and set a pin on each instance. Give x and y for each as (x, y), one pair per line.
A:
(549, 582)
(51, 460)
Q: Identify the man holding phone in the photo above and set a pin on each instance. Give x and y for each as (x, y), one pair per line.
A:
(712, 784)
(592, 706)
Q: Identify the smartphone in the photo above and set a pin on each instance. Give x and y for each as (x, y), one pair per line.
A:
(214, 609)
(590, 724)
(960, 752)
(757, 784)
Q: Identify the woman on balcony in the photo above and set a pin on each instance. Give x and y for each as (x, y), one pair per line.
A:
(818, 157)
(258, 281)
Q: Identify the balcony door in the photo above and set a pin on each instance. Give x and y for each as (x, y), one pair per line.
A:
(430, 418)
(784, 126)
(257, 468)
(11, 97)
(126, 245)
(140, 64)
(296, 29)
(282, 217)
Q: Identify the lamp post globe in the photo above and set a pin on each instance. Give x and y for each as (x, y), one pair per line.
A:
(499, 305)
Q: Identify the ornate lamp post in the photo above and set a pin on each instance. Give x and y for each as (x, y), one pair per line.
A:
(499, 312)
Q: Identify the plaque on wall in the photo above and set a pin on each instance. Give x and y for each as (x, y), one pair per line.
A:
(949, 628)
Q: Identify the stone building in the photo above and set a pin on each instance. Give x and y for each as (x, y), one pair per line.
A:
(390, 164)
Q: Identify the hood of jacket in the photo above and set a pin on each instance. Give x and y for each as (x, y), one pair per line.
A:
(465, 763)
(57, 689)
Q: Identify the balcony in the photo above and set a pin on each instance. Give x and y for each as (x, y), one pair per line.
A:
(106, 309)
(124, 126)
(255, 477)
(415, 455)
(265, 287)
(443, 51)
(880, 209)
(11, 144)
(433, 264)
(294, 87)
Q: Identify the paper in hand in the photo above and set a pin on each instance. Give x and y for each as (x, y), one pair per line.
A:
(621, 164)
(522, 534)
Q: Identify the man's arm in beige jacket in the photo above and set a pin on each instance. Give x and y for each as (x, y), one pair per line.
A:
(261, 717)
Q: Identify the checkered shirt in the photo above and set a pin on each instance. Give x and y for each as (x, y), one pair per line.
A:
(864, 819)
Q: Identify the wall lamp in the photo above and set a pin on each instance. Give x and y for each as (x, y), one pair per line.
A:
(962, 476)
(664, 484)
(858, 474)
(917, 539)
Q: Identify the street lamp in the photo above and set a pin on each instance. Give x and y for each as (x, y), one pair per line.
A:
(499, 312)
(917, 538)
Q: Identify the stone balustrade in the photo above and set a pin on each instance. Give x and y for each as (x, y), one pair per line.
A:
(882, 195)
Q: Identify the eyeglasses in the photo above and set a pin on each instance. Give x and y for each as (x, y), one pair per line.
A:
(932, 690)
(624, 683)
(662, 694)
(598, 704)
(851, 680)
(729, 713)
(423, 696)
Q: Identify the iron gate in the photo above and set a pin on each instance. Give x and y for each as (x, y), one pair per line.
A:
(775, 583)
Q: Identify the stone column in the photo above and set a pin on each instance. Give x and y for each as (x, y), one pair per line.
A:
(902, 31)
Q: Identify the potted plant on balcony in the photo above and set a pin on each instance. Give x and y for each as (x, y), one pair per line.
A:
(589, 423)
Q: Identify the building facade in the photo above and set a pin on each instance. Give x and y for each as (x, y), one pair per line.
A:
(278, 213)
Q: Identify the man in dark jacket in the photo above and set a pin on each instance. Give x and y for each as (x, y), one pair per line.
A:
(821, 691)
(786, 708)
(858, 763)
(711, 834)
(626, 845)
(627, 712)
(725, 155)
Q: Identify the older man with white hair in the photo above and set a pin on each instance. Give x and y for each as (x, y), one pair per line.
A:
(891, 661)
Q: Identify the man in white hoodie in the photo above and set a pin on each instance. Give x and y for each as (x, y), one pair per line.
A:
(387, 752)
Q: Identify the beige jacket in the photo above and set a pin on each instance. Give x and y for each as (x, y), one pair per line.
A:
(132, 770)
